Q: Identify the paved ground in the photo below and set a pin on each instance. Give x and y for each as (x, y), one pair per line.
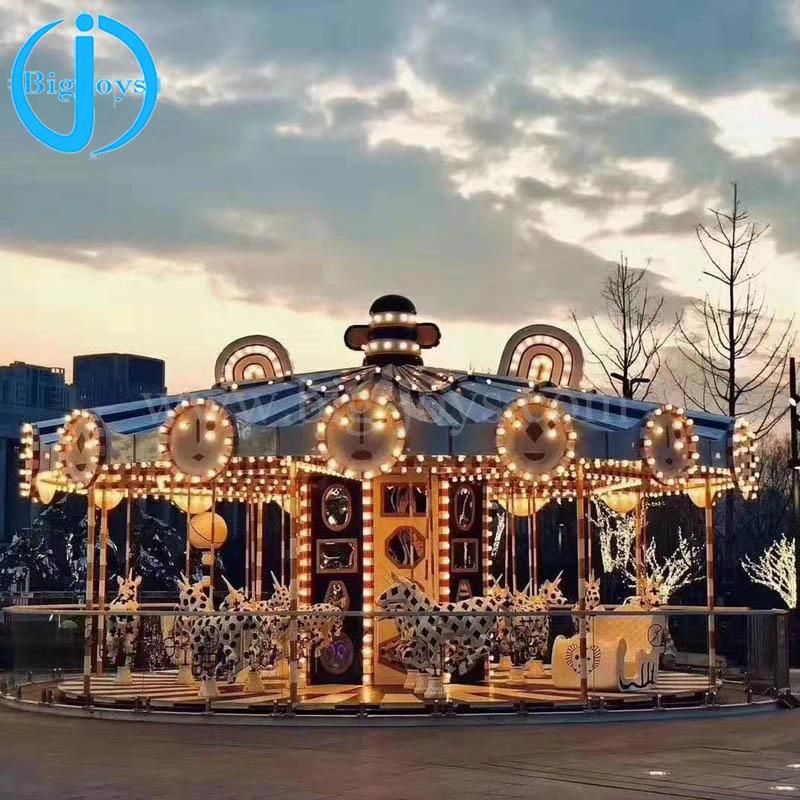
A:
(46, 757)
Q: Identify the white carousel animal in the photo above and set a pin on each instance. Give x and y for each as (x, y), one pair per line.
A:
(622, 650)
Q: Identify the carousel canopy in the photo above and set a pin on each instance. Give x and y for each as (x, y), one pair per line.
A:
(532, 420)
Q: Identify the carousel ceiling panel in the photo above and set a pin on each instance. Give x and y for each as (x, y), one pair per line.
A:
(145, 446)
(256, 440)
(473, 439)
(298, 440)
(120, 448)
(426, 438)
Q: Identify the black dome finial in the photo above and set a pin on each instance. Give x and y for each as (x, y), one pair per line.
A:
(393, 335)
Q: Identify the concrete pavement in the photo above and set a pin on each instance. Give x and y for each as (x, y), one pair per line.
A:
(742, 757)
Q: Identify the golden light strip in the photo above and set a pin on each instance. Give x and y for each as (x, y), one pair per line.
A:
(444, 541)
(304, 549)
(368, 543)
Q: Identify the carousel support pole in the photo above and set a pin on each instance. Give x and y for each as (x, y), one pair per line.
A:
(513, 539)
(531, 525)
(259, 559)
(102, 587)
(128, 532)
(581, 501)
(710, 587)
(188, 571)
(248, 545)
(294, 524)
(213, 551)
(639, 538)
(88, 650)
(509, 573)
(283, 538)
(534, 535)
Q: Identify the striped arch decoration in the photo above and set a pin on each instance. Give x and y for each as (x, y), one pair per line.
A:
(543, 354)
(252, 359)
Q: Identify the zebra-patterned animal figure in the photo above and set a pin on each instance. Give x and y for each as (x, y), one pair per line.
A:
(447, 623)
(123, 629)
(524, 637)
(592, 599)
(317, 625)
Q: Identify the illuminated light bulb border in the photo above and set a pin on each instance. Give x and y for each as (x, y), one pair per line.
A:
(76, 424)
(653, 428)
(30, 458)
(336, 414)
(226, 430)
(744, 459)
(515, 415)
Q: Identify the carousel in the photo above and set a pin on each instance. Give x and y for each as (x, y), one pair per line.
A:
(392, 544)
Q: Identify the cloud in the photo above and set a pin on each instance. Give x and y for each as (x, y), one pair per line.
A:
(477, 157)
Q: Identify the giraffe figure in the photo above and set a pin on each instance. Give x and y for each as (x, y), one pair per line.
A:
(592, 599)
(123, 629)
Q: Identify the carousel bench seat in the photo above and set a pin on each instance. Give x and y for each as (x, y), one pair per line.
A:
(622, 653)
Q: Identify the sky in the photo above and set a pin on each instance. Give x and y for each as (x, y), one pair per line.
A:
(487, 159)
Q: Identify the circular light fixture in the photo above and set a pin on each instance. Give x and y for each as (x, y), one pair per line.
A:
(81, 448)
(669, 445)
(362, 436)
(208, 531)
(535, 440)
(746, 463)
(199, 439)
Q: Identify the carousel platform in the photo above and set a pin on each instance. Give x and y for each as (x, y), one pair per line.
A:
(159, 691)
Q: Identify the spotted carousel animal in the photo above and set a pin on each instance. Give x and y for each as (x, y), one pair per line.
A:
(123, 629)
(317, 624)
(213, 640)
(592, 599)
(455, 624)
(524, 637)
(650, 595)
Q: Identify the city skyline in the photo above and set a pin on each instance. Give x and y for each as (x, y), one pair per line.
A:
(489, 166)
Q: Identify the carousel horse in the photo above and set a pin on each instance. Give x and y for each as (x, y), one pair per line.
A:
(123, 629)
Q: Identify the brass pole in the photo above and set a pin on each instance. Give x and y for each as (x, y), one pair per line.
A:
(88, 648)
(710, 588)
(580, 500)
(294, 524)
(102, 585)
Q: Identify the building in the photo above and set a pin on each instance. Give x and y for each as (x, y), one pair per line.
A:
(106, 378)
(28, 393)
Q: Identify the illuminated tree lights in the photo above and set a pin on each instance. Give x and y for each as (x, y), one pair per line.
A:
(617, 535)
(775, 568)
(682, 567)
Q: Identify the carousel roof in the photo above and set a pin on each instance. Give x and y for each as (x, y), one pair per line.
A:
(447, 412)
(532, 420)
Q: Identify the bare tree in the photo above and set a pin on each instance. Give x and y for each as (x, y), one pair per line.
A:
(628, 350)
(739, 356)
